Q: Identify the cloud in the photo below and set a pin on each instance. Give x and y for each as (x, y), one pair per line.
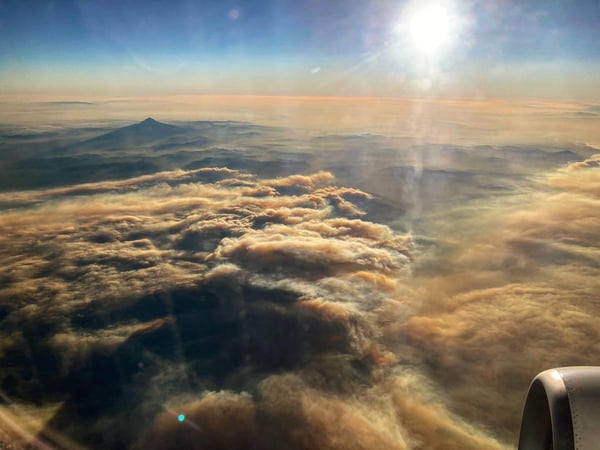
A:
(520, 298)
(179, 176)
(490, 343)
(580, 176)
(252, 306)
(273, 314)
(289, 413)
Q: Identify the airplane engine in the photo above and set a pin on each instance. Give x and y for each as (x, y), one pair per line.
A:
(562, 410)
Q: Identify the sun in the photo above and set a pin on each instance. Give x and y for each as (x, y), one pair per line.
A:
(431, 28)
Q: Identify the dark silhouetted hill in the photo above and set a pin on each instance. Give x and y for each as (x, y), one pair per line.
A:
(142, 133)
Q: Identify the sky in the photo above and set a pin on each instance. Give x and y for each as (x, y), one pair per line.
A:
(492, 48)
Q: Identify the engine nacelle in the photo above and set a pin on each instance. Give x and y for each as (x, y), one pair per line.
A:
(562, 410)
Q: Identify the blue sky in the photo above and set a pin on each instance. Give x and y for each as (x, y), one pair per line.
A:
(266, 41)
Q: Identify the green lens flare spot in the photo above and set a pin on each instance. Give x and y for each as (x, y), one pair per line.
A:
(181, 417)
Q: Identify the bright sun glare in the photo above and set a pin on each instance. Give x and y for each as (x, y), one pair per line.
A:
(430, 28)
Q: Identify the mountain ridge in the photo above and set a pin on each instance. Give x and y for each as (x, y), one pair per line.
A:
(141, 133)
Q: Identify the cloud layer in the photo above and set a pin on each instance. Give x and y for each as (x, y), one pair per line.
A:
(521, 297)
(273, 315)
(252, 306)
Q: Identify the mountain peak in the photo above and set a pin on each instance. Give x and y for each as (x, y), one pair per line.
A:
(151, 125)
(140, 133)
